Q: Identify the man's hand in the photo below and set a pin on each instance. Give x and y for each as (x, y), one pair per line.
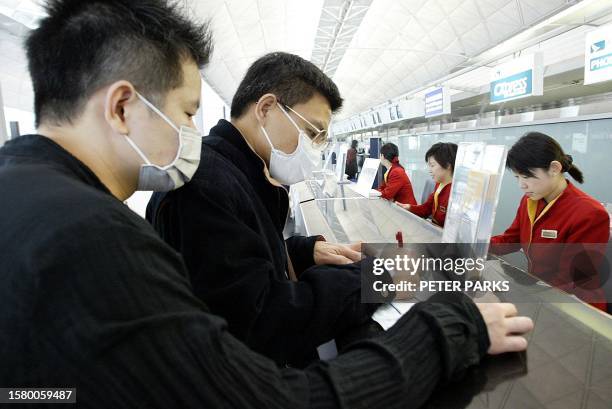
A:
(504, 327)
(403, 205)
(330, 253)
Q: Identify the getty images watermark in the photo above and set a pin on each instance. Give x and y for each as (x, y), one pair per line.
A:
(553, 273)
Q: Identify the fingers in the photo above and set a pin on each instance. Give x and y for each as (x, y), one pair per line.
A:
(338, 259)
(349, 253)
(519, 325)
(514, 344)
(505, 327)
(509, 309)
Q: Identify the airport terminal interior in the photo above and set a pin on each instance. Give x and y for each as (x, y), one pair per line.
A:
(479, 89)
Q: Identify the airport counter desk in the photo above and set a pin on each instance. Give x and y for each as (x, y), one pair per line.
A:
(568, 363)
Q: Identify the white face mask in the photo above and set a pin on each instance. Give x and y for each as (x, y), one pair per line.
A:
(290, 168)
(183, 166)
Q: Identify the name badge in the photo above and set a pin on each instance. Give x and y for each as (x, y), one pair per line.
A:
(549, 234)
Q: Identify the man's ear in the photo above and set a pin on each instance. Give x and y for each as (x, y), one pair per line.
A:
(118, 102)
(263, 106)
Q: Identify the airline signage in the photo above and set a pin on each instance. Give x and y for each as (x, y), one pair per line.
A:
(598, 56)
(516, 79)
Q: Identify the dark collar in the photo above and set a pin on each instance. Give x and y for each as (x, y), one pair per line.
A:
(227, 140)
(38, 149)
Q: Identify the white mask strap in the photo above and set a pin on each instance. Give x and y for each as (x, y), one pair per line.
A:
(157, 111)
(289, 116)
(138, 151)
(267, 137)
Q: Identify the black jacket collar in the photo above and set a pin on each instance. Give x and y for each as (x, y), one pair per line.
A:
(227, 140)
(38, 149)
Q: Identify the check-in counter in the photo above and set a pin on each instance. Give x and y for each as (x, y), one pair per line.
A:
(568, 363)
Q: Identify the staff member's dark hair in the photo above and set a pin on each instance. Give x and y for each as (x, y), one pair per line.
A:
(354, 144)
(141, 41)
(537, 150)
(444, 153)
(389, 151)
(290, 77)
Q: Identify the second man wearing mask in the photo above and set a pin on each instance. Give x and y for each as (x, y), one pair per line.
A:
(283, 298)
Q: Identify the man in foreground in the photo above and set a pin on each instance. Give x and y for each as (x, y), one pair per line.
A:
(92, 299)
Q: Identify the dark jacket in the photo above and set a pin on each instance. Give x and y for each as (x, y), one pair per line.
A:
(227, 222)
(92, 299)
(351, 163)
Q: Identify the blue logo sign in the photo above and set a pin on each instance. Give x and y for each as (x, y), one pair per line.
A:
(598, 46)
(601, 62)
(516, 86)
(434, 103)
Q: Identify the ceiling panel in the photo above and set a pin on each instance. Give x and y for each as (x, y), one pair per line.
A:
(398, 47)
(437, 34)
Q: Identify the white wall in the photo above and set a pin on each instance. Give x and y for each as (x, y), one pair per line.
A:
(211, 107)
(25, 119)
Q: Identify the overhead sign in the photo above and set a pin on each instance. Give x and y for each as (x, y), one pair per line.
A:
(519, 78)
(598, 56)
(437, 102)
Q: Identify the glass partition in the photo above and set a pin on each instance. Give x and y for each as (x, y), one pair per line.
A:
(589, 142)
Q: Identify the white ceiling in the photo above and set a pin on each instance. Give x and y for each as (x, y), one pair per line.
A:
(14, 78)
(244, 30)
(398, 46)
(404, 45)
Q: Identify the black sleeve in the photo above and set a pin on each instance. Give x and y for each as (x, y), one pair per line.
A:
(232, 270)
(301, 251)
(119, 323)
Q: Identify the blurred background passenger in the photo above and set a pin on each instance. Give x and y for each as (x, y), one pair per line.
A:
(351, 161)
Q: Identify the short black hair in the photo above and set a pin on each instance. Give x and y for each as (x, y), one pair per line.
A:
(290, 77)
(389, 151)
(444, 153)
(84, 45)
(535, 150)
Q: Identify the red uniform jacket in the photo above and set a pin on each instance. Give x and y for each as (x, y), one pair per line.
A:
(435, 206)
(397, 185)
(574, 217)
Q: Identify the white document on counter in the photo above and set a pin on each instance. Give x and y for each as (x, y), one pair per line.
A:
(365, 181)
(388, 314)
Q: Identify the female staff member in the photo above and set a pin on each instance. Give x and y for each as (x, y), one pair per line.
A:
(554, 211)
(397, 186)
(441, 161)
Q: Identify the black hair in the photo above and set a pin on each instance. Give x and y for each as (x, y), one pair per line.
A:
(444, 153)
(536, 150)
(290, 77)
(389, 151)
(354, 144)
(84, 45)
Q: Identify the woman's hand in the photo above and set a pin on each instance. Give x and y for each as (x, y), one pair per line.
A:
(403, 205)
